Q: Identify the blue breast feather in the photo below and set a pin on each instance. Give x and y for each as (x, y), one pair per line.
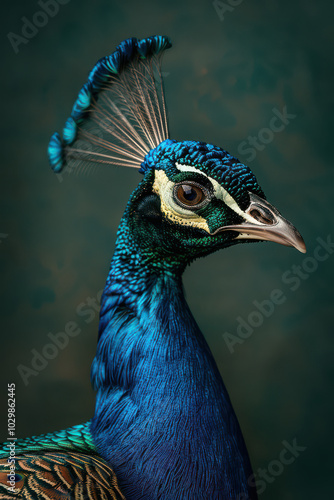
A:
(163, 418)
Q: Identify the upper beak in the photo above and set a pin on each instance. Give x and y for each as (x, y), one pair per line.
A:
(264, 222)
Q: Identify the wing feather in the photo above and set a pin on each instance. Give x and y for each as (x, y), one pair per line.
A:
(59, 476)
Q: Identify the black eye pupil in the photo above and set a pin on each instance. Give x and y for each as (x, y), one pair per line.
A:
(189, 193)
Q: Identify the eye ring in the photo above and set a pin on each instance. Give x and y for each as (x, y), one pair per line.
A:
(197, 197)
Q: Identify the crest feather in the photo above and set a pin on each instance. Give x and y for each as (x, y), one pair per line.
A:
(120, 113)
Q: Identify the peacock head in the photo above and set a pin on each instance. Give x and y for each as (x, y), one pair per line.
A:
(195, 198)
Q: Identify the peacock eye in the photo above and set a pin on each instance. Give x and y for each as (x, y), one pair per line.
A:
(190, 195)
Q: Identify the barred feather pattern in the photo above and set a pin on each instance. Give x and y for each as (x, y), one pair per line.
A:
(120, 113)
(60, 476)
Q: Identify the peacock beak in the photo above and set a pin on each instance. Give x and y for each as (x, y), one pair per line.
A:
(264, 222)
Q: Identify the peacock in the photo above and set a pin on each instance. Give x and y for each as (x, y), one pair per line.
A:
(164, 426)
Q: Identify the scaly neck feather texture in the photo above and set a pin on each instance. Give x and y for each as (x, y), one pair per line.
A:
(163, 418)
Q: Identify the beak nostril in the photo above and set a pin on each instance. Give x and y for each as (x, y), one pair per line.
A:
(264, 216)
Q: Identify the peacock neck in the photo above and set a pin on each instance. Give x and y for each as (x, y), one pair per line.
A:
(161, 403)
(143, 299)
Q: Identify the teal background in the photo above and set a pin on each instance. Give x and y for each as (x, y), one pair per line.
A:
(223, 78)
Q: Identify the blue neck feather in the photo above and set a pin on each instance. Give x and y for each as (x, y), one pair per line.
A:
(163, 418)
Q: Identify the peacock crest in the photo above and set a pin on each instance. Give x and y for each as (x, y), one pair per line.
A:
(120, 113)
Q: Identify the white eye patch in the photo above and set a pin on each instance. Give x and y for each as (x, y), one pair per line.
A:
(219, 192)
(164, 188)
(175, 213)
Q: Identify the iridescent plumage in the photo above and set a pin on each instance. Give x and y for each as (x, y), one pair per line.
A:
(58, 465)
(163, 423)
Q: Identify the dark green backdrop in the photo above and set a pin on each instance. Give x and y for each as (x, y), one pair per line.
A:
(224, 77)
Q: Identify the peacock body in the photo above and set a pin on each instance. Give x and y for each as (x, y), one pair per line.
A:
(164, 426)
